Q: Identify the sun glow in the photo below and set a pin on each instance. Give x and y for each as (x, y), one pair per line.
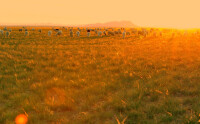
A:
(148, 13)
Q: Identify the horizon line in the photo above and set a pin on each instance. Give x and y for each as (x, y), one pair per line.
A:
(85, 25)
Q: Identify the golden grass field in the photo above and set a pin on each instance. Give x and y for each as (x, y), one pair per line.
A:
(100, 80)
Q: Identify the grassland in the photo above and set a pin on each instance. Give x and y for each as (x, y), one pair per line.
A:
(99, 80)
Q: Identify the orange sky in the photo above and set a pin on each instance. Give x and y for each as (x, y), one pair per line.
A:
(153, 13)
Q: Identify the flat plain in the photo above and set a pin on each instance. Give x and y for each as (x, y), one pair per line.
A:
(100, 80)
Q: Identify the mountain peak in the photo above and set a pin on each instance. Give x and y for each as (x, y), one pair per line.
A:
(124, 24)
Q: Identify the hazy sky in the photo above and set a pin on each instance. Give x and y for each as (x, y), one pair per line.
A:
(157, 13)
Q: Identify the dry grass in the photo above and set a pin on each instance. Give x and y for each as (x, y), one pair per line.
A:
(100, 80)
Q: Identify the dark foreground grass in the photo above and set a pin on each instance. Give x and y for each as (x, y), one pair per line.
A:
(100, 80)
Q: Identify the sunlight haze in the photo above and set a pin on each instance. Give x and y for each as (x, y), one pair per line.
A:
(149, 13)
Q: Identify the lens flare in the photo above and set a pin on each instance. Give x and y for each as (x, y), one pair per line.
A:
(21, 119)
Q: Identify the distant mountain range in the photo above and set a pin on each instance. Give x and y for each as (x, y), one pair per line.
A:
(124, 24)
(113, 24)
